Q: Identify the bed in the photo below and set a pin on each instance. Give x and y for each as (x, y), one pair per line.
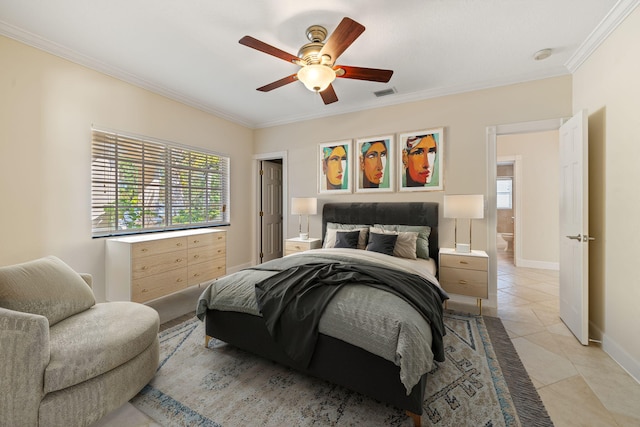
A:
(359, 359)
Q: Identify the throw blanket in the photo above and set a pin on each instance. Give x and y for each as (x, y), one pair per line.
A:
(292, 301)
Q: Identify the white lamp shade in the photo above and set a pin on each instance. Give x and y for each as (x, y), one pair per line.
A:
(316, 77)
(304, 205)
(464, 206)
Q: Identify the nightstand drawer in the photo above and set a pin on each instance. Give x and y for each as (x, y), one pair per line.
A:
(459, 281)
(464, 262)
(298, 245)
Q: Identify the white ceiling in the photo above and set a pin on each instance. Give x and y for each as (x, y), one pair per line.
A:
(188, 50)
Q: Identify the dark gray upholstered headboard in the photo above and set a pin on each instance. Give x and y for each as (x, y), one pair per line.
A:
(409, 213)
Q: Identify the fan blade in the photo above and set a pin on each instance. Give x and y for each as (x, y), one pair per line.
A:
(268, 49)
(278, 83)
(329, 95)
(360, 73)
(346, 33)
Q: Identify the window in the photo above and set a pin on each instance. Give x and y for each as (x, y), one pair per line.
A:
(504, 193)
(142, 185)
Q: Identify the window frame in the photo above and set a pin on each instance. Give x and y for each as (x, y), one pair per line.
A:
(510, 193)
(141, 184)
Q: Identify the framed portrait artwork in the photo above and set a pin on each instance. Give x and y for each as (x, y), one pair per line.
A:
(334, 159)
(420, 160)
(373, 164)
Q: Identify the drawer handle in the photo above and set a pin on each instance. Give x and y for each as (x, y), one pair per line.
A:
(179, 280)
(144, 250)
(196, 256)
(464, 262)
(196, 275)
(220, 238)
(196, 241)
(298, 247)
(178, 244)
(144, 267)
(219, 250)
(144, 290)
(179, 260)
(463, 282)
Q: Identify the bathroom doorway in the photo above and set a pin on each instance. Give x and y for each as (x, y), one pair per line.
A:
(507, 201)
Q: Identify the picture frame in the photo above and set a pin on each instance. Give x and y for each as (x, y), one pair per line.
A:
(421, 160)
(373, 164)
(334, 167)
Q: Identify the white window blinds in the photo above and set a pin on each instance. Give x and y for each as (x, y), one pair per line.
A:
(144, 185)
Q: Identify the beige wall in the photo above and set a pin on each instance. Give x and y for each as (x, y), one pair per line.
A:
(47, 107)
(539, 198)
(607, 86)
(465, 118)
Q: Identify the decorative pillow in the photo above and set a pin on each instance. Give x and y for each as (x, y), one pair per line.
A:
(46, 286)
(405, 245)
(422, 243)
(383, 243)
(330, 236)
(347, 239)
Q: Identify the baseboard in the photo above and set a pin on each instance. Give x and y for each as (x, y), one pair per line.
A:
(543, 265)
(621, 357)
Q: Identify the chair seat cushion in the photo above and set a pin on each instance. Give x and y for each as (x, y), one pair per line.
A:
(98, 340)
(46, 286)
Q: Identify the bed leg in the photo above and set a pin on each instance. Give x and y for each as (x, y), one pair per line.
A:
(417, 419)
(207, 338)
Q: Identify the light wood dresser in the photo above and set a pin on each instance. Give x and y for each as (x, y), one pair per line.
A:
(465, 273)
(145, 267)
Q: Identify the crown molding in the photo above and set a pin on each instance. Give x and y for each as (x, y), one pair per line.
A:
(609, 23)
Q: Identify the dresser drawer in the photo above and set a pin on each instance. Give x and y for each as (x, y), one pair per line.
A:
(206, 239)
(457, 280)
(158, 285)
(202, 272)
(157, 246)
(464, 262)
(155, 264)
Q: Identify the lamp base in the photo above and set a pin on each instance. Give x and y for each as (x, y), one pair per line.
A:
(304, 236)
(463, 248)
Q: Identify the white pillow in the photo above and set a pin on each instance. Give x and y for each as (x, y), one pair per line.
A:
(405, 245)
(332, 228)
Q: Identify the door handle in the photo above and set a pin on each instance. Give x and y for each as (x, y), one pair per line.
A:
(581, 238)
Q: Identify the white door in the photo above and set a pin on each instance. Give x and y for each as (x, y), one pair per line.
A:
(574, 226)
(271, 211)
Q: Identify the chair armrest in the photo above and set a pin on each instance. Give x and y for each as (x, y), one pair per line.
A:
(25, 353)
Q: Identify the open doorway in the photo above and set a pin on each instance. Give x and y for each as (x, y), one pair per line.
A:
(529, 212)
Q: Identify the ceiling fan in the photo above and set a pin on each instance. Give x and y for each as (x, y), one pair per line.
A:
(317, 60)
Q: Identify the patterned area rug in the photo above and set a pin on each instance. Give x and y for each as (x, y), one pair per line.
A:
(481, 383)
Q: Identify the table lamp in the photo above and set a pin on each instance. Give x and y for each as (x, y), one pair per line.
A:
(304, 206)
(463, 206)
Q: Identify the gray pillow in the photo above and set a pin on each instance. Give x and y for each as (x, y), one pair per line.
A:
(422, 243)
(347, 239)
(330, 235)
(383, 243)
(46, 286)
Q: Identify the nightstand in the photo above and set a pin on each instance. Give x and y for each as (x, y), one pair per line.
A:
(465, 273)
(296, 244)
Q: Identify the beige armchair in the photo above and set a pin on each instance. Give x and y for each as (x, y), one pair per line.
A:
(65, 360)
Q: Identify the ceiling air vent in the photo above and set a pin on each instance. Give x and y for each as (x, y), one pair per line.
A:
(385, 92)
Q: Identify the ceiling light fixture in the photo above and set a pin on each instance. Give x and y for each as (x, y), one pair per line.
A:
(542, 54)
(316, 77)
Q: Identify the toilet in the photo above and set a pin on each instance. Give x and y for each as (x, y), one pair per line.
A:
(508, 237)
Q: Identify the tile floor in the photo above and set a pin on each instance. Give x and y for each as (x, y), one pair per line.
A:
(580, 386)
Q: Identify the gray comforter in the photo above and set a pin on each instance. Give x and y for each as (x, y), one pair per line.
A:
(367, 317)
